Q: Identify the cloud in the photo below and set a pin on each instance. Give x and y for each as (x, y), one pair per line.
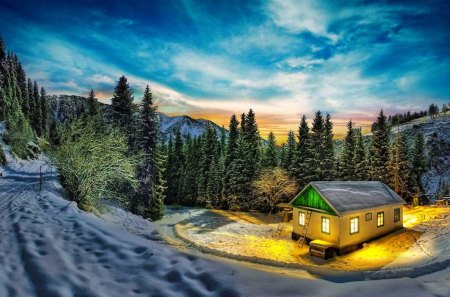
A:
(298, 16)
(283, 58)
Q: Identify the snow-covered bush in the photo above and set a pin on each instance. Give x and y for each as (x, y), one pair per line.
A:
(94, 164)
(20, 138)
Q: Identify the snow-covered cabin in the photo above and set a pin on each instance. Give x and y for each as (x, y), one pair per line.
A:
(345, 214)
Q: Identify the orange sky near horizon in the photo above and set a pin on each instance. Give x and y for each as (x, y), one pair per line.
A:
(279, 125)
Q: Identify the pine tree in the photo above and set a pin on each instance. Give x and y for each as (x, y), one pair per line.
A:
(328, 159)
(443, 188)
(44, 113)
(37, 112)
(214, 183)
(175, 171)
(31, 108)
(193, 154)
(240, 179)
(92, 102)
(287, 162)
(418, 162)
(22, 81)
(380, 150)
(270, 153)
(252, 140)
(122, 107)
(360, 157)
(209, 154)
(149, 198)
(314, 160)
(231, 155)
(398, 166)
(301, 169)
(348, 154)
(2, 49)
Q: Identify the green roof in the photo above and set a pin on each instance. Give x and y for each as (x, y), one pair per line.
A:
(311, 199)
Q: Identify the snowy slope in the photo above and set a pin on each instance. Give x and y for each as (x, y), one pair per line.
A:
(186, 125)
(51, 248)
(437, 148)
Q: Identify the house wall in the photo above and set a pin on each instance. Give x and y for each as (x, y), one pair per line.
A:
(315, 226)
(340, 226)
(368, 229)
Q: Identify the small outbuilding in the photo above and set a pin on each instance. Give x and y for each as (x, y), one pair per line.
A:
(342, 215)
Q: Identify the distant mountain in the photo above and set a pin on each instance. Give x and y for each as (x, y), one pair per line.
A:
(186, 125)
(64, 107)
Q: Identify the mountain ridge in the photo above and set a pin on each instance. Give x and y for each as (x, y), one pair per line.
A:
(64, 107)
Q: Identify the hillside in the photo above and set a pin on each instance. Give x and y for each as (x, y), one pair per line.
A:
(437, 147)
(186, 125)
(64, 107)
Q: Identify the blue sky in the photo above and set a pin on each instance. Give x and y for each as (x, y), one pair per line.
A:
(211, 59)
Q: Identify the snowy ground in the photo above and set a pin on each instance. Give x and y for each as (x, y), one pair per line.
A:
(424, 242)
(49, 248)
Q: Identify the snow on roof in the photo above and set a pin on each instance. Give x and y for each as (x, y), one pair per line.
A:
(349, 196)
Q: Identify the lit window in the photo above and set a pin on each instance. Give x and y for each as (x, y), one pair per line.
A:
(380, 219)
(325, 225)
(396, 215)
(369, 216)
(301, 218)
(354, 225)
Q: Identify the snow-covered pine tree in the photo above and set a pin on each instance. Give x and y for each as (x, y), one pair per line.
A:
(360, 157)
(348, 154)
(380, 149)
(398, 168)
(418, 162)
(269, 159)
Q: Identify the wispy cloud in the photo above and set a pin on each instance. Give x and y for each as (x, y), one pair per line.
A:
(283, 58)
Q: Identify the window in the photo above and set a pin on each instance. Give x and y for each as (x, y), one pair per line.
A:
(325, 225)
(354, 225)
(301, 218)
(396, 215)
(380, 219)
(369, 216)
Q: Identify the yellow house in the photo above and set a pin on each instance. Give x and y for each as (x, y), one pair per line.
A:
(341, 215)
